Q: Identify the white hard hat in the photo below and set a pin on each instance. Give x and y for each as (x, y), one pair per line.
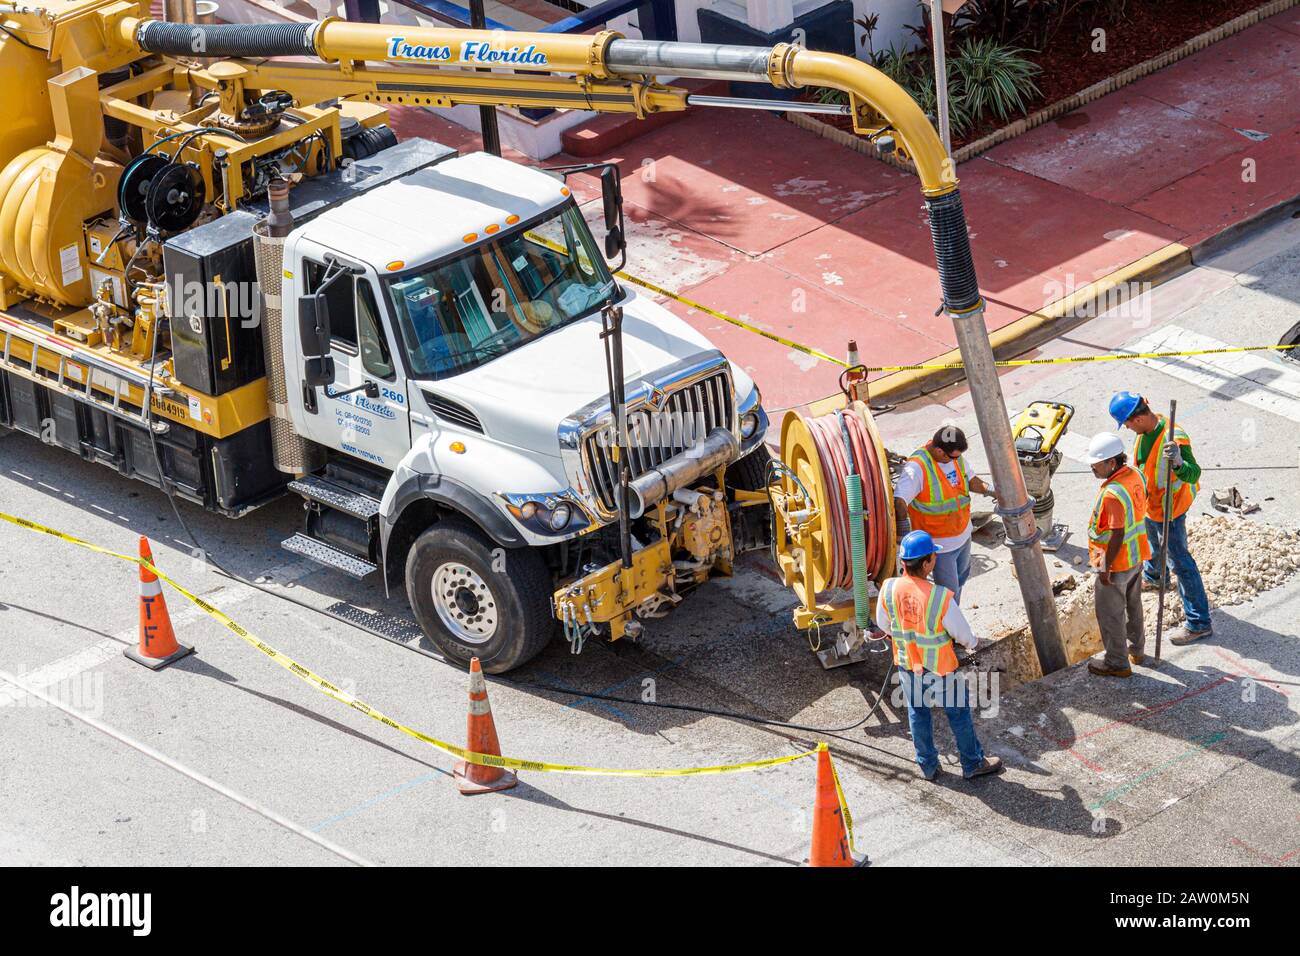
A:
(1104, 445)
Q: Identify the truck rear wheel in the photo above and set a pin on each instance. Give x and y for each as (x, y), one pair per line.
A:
(474, 599)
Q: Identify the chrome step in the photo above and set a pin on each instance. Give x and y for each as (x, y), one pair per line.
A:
(336, 496)
(329, 556)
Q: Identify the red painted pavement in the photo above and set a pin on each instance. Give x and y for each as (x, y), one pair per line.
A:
(757, 218)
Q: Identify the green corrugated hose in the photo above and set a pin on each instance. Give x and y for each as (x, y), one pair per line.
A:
(858, 542)
(857, 532)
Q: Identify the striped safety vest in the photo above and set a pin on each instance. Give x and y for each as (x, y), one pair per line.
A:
(941, 508)
(1153, 469)
(1128, 488)
(915, 608)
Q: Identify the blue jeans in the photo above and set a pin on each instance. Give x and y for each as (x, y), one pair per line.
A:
(952, 568)
(923, 690)
(1190, 587)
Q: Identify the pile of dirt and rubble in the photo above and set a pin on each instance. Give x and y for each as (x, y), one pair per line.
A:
(1239, 559)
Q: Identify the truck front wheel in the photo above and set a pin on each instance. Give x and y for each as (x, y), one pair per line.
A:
(474, 599)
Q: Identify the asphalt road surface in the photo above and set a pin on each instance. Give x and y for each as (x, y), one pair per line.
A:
(251, 766)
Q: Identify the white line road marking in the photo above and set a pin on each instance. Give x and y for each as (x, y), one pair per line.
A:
(194, 775)
(1267, 384)
(65, 668)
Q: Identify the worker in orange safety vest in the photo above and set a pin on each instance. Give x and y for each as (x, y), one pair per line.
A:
(1154, 453)
(923, 619)
(933, 495)
(1117, 546)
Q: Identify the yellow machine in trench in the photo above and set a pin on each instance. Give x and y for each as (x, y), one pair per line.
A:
(120, 130)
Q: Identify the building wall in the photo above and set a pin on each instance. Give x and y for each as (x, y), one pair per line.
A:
(894, 15)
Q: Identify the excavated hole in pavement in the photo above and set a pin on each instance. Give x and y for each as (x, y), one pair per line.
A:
(1239, 558)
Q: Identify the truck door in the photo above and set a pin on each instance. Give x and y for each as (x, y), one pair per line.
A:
(371, 424)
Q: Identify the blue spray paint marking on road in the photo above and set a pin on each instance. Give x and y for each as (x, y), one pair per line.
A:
(1201, 744)
(380, 798)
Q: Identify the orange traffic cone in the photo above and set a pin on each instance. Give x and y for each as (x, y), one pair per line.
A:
(482, 734)
(158, 644)
(830, 839)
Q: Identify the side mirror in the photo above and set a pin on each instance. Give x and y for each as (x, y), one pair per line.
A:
(611, 194)
(614, 243)
(314, 325)
(318, 372)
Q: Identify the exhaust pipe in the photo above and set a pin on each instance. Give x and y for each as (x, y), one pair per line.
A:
(291, 453)
(718, 449)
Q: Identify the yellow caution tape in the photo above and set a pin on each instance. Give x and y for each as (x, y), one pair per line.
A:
(844, 804)
(332, 690)
(692, 304)
(819, 354)
(1068, 360)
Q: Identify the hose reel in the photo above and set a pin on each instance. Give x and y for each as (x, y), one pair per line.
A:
(832, 466)
(166, 196)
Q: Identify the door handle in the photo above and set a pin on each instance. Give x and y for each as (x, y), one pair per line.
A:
(370, 388)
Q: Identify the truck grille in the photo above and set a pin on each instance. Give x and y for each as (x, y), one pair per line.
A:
(683, 418)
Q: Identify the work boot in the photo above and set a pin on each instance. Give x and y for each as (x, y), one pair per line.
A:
(1187, 636)
(1136, 658)
(1149, 584)
(990, 765)
(1101, 670)
(933, 774)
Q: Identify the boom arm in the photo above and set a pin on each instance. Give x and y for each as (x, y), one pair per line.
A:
(602, 72)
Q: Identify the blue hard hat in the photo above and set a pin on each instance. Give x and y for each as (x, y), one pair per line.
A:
(917, 544)
(1122, 407)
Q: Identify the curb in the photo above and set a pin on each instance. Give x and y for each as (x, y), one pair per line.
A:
(1031, 329)
(1207, 247)
(1081, 306)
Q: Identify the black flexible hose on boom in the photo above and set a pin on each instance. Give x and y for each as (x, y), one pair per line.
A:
(227, 39)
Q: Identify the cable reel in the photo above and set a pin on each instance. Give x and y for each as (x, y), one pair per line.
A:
(813, 528)
(165, 196)
(175, 197)
(133, 187)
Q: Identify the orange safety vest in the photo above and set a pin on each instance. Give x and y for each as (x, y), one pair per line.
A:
(940, 507)
(916, 608)
(1153, 469)
(1128, 488)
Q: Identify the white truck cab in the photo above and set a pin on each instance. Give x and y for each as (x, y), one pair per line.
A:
(461, 390)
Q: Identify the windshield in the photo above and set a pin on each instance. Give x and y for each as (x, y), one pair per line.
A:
(464, 311)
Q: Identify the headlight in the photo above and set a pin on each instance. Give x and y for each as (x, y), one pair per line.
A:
(748, 424)
(546, 514)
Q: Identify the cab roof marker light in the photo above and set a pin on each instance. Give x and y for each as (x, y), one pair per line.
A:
(492, 228)
(511, 220)
(395, 265)
(469, 237)
(564, 190)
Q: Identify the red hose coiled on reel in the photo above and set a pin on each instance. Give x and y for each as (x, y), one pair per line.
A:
(829, 439)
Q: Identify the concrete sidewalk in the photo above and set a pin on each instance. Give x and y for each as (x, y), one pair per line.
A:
(750, 215)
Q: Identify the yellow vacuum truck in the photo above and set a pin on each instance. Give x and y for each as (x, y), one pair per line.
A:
(222, 274)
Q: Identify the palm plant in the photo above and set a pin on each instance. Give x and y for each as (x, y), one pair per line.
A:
(994, 79)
